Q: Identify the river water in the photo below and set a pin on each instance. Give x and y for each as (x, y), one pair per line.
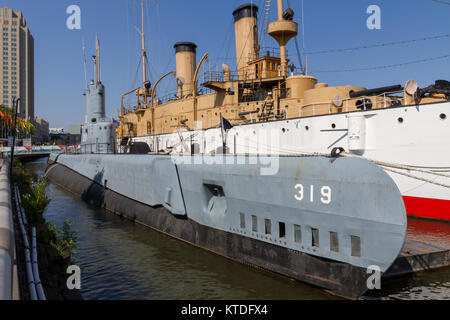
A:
(122, 260)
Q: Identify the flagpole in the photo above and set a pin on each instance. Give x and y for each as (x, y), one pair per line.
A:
(224, 144)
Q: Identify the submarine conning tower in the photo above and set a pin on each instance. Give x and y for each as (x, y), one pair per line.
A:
(98, 133)
(95, 93)
(95, 103)
(186, 61)
(246, 34)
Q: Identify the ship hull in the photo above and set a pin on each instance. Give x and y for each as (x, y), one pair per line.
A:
(415, 136)
(235, 211)
(347, 280)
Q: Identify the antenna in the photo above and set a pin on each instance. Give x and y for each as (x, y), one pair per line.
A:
(83, 47)
(97, 60)
(303, 26)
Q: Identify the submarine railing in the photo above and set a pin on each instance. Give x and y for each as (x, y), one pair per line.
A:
(95, 148)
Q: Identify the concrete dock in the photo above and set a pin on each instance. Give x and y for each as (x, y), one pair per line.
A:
(427, 247)
(8, 269)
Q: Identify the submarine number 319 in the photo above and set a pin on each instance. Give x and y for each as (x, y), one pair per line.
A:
(325, 193)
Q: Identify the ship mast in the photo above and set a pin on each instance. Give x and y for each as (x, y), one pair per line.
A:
(144, 52)
(97, 60)
(282, 31)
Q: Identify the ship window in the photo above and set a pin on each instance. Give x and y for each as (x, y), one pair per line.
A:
(334, 242)
(268, 225)
(356, 246)
(400, 120)
(297, 233)
(314, 237)
(242, 220)
(254, 224)
(282, 229)
(443, 116)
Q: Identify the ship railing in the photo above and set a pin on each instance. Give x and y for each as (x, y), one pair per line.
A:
(271, 52)
(93, 148)
(326, 107)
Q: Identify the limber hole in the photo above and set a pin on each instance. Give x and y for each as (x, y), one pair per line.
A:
(242, 220)
(315, 237)
(356, 246)
(297, 233)
(334, 242)
(282, 229)
(268, 226)
(254, 224)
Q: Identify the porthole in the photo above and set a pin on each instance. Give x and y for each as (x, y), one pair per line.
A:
(400, 120)
(284, 130)
(333, 125)
(443, 116)
(307, 128)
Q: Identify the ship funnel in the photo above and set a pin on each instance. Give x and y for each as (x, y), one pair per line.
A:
(246, 33)
(185, 53)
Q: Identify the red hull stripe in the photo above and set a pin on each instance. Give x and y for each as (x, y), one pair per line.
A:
(427, 208)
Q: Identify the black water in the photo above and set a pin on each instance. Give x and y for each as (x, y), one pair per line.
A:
(123, 260)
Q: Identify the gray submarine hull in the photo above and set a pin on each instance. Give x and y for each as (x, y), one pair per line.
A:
(323, 221)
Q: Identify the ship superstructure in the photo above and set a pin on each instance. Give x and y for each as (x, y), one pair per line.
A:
(263, 97)
(98, 133)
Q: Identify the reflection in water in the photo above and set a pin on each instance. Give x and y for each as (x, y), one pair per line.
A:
(122, 260)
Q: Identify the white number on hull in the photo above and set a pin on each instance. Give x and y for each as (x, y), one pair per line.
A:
(326, 195)
(325, 192)
(299, 194)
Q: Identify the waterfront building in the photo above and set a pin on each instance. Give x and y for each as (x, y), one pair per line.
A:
(17, 62)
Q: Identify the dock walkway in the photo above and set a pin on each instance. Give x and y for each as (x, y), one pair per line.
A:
(9, 289)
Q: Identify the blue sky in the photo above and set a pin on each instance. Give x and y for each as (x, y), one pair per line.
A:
(329, 24)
